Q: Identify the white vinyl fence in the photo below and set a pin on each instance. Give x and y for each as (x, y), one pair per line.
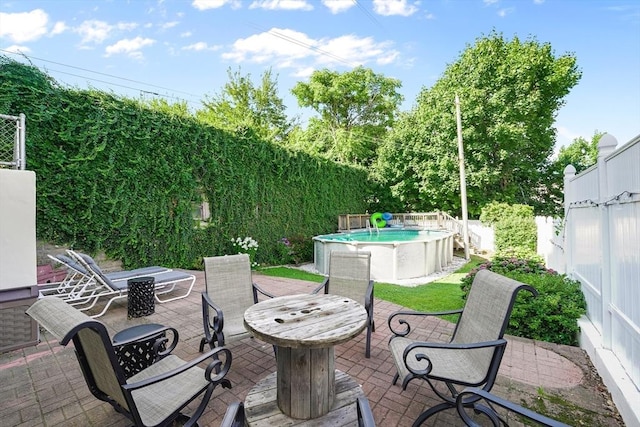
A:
(600, 246)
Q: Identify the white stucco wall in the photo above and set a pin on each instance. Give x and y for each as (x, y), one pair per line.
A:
(17, 228)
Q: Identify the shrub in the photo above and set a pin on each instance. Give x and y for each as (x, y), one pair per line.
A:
(295, 250)
(495, 212)
(516, 233)
(249, 246)
(514, 225)
(552, 315)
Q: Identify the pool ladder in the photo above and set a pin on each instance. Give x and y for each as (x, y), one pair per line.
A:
(369, 228)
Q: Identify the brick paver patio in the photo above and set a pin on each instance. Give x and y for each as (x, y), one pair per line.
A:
(43, 385)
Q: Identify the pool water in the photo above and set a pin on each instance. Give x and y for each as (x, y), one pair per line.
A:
(382, 236)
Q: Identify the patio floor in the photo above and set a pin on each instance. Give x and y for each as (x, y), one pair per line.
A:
(43, 385)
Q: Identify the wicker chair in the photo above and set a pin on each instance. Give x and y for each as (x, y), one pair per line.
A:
(350, 276)
(229, 291)
(472, 357)
(489, 410)
(154, 396)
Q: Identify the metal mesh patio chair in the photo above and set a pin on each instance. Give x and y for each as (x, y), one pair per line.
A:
(229, 291)
(472, 357)
(365, 416)
(234, 417)
(154, 396)
(493, 415)
(350, 276)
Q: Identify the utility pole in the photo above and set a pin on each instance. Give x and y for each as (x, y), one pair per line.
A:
(463, 183)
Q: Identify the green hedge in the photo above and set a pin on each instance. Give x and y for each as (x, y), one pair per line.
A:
(118, 175)
(553, 315)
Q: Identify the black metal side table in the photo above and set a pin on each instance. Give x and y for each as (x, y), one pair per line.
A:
(136, 353)
(141, 297)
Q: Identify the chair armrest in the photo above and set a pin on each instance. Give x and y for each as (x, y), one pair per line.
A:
(368, 296)
(218, 321)
(234, 417)
(257, 289)
(324, 284)
(491, 398)
(365, 416)
(406, 327)
(449, 346)
(144, 332)
(217, 366)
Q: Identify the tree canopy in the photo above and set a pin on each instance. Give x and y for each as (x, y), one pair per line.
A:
(510, 92)
(580, 153)
(356, 109)
(243, 106)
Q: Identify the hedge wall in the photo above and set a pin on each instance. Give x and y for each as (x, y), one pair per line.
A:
(116, 175)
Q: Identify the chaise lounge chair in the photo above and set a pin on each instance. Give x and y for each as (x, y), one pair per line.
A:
(78, 278)
(100, 285)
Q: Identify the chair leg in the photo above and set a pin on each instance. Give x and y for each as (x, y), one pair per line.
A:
(203, 341)
(432, 411)
(367, 352)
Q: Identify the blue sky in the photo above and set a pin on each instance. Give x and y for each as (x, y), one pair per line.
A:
(181, 49)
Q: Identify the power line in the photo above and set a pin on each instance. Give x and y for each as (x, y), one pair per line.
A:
(305, 45)
(369, 15)
(96, 72)
(123, 86)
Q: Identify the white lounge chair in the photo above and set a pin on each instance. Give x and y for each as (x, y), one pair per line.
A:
(100, 285)
(78, 279)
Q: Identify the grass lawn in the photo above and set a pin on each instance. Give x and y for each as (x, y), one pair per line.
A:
(440, 295)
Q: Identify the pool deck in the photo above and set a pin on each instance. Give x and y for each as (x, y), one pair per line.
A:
(43, 386)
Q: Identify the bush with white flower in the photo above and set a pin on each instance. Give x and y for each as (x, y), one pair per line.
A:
(247, 246)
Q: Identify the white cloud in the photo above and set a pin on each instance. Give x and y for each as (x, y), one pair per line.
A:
(214, 4)
(504, 12)
(58, 28)
(17, 49)
(281, 5)
(394, 7)
(490, 2)
(355, 50)
(429, 16)
(266, 46)
(168, 25)
(304, 72)
(338, 6)
(284, 48)
(25, 26)
(538, 1)
(126, 26)
(94, 31)
(130, 47)
(200, 46)
(186, 34)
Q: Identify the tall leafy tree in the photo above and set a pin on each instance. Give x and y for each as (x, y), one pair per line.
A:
(510, 92)
(581, 154)
(356, 109)
(243, 106)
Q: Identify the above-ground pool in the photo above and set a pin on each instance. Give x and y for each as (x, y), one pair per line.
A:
(396, 254)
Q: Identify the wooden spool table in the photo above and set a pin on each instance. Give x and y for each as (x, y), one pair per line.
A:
(305, 328)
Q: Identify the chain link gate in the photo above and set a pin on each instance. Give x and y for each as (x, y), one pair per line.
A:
(12, 142)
